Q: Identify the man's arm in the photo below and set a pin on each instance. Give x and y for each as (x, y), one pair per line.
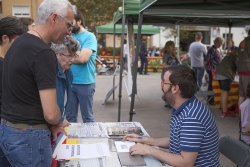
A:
(160, 142)
(84, 56)
(51, 110)
(185, 159)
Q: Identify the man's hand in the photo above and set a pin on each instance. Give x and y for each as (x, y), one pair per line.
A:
(65, 123)
(55, 129)
(141, 149)
(136, 138)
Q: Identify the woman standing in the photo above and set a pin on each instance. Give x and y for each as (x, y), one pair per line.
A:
(143, 56)
(225, 74)
(212, 60)
(169, 59)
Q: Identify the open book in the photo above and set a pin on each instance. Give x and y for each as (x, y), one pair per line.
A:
(56, 146)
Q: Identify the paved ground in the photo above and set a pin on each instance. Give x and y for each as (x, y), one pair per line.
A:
(149, 107)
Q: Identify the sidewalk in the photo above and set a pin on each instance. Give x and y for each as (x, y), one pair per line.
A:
(149, 108)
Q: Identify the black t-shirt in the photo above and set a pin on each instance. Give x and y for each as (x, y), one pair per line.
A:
(29, 66)
(1, 83)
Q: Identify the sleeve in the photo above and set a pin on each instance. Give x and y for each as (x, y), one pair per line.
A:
(45, 69)
(90, 43)
(209, 55)
(205, 51)
(165, 58)
(191, 135)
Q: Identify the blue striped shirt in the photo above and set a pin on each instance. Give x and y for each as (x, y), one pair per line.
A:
(193, 129)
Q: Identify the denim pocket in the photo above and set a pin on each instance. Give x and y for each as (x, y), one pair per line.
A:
(20, 154)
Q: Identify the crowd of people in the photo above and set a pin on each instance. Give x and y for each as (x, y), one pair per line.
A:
(44, 61)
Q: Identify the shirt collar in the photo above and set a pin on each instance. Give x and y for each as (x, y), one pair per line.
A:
(176, 112)
(60, 73)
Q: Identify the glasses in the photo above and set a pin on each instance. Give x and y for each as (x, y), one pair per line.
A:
(69, 56)
(163, 83)
(69, 24)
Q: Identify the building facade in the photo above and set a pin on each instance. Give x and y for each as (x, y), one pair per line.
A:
(19, 8)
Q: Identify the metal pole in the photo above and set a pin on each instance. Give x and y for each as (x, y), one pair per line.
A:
(121, 68)
(114, 64)
(229, 35)
(138, 43)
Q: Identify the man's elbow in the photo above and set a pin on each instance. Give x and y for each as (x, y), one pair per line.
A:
(53, 119)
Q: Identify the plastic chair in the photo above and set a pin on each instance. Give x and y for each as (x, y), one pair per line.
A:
(206, 96)
(235, 150)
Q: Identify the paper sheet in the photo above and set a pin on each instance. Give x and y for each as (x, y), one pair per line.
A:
(123, 146)
(68, 151)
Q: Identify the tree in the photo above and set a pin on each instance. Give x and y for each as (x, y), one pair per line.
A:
(97, 12)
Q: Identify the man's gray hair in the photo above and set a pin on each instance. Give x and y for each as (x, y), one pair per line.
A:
(218, 40)
(48, 7)
(69, 43)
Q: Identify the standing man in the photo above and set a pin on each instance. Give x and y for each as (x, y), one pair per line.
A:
(29, 88)
(83, 69)
(244, 68)
(197, 53)
(194, 135)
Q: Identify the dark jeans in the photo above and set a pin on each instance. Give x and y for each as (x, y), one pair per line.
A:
(144, 61)
(199, 71)
(210, 88)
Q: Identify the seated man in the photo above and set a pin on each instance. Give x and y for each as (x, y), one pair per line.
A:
(194, 135)
(65, 53)
(154, 52)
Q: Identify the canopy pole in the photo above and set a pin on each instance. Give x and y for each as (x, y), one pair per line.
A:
(114, 64)
(229, 36)
(135, 67)
(121, 68)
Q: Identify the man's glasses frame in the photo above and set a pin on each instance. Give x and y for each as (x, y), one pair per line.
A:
(69, 24)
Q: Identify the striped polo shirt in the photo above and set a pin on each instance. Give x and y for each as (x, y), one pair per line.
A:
(193, 129)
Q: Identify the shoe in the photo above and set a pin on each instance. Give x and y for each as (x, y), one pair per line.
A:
(146, 74)
(227, 114)
(168, 106)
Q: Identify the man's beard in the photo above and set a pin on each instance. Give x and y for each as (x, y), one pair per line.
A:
(75, 29)
(168, 97)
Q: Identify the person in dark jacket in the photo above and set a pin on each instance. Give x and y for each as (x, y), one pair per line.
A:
(225, 73)
(143, 56)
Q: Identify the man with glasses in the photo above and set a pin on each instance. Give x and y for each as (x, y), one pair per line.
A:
(194, 135)
(30, 113)
(83, 69)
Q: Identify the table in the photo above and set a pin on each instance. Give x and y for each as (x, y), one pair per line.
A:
(217, 91)
(111, 128)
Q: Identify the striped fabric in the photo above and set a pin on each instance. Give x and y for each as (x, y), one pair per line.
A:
(193, 129)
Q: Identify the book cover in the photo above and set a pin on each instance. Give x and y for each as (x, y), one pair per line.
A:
(59, 141)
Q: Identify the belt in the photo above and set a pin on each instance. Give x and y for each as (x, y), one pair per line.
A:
(24, 126)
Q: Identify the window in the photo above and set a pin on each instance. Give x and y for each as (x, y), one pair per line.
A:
(21, 11)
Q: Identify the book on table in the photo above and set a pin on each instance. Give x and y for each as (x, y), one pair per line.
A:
(57, 144)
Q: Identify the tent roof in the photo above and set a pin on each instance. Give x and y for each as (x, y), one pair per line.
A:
(109, 29)
(189, 12)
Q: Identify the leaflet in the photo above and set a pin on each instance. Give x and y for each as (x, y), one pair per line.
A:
(83, 151)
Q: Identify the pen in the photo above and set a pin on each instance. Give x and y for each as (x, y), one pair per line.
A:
(139, 137)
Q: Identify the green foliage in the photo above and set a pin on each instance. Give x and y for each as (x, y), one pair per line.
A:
(155, 63)
(97, 12)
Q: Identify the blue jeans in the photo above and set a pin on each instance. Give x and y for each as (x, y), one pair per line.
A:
(81, 94)
(199, 71)
(144, 61)
(25, 148)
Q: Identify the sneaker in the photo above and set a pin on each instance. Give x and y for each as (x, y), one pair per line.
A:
(227, 114)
